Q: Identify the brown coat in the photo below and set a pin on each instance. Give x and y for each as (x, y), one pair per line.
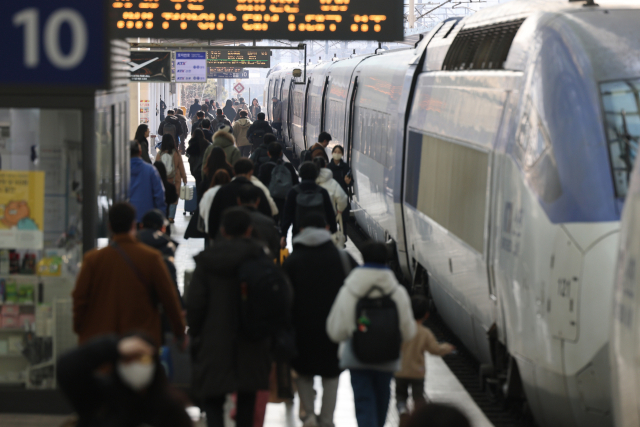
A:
(109, 298)
(317, 150)
(180, 175)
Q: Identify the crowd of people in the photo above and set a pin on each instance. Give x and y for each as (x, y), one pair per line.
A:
(253, 313)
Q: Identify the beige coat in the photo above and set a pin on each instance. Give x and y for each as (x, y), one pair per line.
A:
(180, 174)
(240, 128)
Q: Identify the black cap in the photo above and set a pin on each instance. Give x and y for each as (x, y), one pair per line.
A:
(154, 219)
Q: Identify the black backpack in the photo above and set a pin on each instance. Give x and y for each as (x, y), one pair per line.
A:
(265, 298)
(309, 201)
(377, 338)
(256, 138)
(259, 157)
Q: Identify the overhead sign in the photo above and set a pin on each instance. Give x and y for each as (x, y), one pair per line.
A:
(150, 66)
(238, 88)
(253, 58)
(227, 73)
(380, 20)
(55, 43)
(191, 67)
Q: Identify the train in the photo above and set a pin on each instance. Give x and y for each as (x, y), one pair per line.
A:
(489, 156)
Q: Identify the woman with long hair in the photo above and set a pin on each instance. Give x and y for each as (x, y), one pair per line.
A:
(255, 109)
(220, 178)
(142, 133)
(175, 168)
(217, 160)
(197, 146)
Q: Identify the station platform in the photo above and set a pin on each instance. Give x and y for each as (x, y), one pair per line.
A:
(441, 386)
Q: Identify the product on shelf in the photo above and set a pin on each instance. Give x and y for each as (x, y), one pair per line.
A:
(11, 293)
(25, 294)
(14, 262)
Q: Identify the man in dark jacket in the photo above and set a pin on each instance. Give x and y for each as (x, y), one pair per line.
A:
(259, 125)
(207, 115)
(274, 152)
(134, 393)
(194, 108)
(223, 360)
(206, 129)
(227, 196)
(197, 124)
(229, 111)
(220, 119)
(183, 123)
(315, 288)
(264, 227)
(171, 120)
(308, 175)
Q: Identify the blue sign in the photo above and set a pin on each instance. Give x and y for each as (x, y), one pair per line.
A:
(55, 43)
(191, 67)
(244, 74)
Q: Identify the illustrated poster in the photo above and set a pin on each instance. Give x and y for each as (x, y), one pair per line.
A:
(21, 209)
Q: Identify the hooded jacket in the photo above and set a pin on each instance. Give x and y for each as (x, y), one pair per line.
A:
(341, 322)
(174, 121)
(338, 196)
(225, 141)
(218, 121)
(291, 205)
(262, 125)
(240, 128)
(223, 361)
(146, 191)
(315, 287)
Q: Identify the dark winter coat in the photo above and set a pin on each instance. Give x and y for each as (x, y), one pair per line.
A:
(184, 132)
(315, 287)
(194, 109)
(340, 171)
(223, 361)
(226, 197)
(105, 401)
(218, 121)
(174, 121)
(289, 214)
(265, 229)
(229, 111)
(267, 168)
(262, 125)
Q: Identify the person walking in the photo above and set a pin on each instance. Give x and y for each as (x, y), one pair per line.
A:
(229, 111)
(170, 193)
(142, 133)
(318, 149)
(205, 109)
(135, 392)
(119, 288)
(315, 287)
(194, 108)
(215, 160)
(264, 227)
(243, 105)
(282, 183)
(240, 128)
(206, 129)
(224, 139)
(220, 178)
(183, 124)
(197, 121)
(276, 116)
(369, 336)
(197, 147)
(260, 154)
(172, 126)
(227, 196)
(325, 180)
(224, 359)
(146, 191)
(412, 370)
(303, 199)
(342, 174)
(176, 174)
(255, 109)
(219, 120)
(260, 124)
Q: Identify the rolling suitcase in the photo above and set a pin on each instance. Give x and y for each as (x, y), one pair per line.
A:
(191, 205)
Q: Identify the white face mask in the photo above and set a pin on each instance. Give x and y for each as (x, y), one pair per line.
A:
(337, 156)
(136, 375)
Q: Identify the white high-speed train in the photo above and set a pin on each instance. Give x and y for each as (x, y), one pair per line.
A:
(491, 155)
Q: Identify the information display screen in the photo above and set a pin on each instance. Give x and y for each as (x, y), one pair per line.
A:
(259, 19)
(227, 73)
(258, 58)
(191, 67)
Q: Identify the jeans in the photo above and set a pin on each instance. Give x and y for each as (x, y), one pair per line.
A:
(307, 398)
(172, 211)
(417, 391)
(371, 394)
(245, 405)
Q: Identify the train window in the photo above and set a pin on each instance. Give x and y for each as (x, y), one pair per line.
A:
(448, 182)
(621, 103)
(484, 48)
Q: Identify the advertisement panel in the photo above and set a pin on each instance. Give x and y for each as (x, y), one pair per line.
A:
(21, 209)
(191, 67)
(150, 66)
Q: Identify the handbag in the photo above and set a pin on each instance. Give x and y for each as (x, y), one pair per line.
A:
(338, 237)
(186, 192)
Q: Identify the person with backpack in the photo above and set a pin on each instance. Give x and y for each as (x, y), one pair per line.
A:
(184, 133)
(197, 147)
(206, 129)
(219, 120)
(371, 317)
(258, 130)
(234, 283)
(176, 174)
(197, 121)
(264, 227)
(315, 287)
(193, 109)
(240, 128)
(207, 115)
(171, 125)
(260, 154)
(303, 199)
(273, 174)
(318, 149)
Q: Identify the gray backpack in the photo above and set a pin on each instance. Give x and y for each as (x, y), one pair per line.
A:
(309, 201)
(281, 182)
(170, 128)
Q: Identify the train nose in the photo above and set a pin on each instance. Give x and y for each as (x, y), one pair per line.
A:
(586, 359)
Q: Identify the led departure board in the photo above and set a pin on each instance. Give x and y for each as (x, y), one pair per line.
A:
(254, 58)
(259, 19)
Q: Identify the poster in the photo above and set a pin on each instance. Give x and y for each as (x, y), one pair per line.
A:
(21, 209)
(144, 111)
(150, 66)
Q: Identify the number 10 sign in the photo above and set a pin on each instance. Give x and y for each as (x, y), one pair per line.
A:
(55, 43)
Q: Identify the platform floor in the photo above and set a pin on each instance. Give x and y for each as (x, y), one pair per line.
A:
(442, 386)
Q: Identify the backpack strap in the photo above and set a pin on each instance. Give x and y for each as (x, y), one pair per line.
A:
(138, 273)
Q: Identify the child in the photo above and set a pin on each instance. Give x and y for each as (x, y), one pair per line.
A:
(412, 371)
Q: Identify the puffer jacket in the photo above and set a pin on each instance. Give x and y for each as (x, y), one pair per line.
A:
(240, 128)
(338, 196)
(225, 141)
(341, 321)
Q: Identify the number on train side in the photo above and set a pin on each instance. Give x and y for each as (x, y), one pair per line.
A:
(29, 19)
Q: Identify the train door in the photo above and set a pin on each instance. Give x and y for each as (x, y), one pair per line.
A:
(323, 103)
(306, 113)
(352, 108)
(290, 108)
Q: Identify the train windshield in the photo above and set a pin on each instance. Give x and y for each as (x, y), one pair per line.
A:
(621, 102)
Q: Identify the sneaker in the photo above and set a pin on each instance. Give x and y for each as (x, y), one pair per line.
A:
(310, 421)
